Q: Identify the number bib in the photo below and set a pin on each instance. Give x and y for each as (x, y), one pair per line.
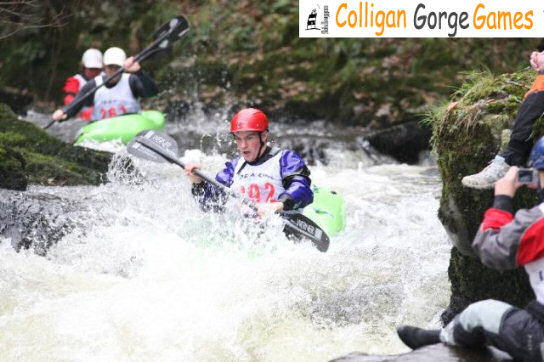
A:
(114, 101)
(260, 183)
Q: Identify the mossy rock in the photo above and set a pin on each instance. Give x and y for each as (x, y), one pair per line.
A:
(12, 175)
(467, 134)
(30, 155)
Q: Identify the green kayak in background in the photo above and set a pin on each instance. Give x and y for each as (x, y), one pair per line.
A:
(123, 128)
(327, 211)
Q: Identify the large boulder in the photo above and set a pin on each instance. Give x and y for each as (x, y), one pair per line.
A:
(467, 134)
(30, 155)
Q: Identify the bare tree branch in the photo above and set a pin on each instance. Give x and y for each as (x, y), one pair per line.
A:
(16, 16)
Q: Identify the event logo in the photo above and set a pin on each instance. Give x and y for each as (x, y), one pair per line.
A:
(312, 18)
(421, 18)
(312, 22)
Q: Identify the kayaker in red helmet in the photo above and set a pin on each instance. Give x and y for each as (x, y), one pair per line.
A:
(118, 96)
(274, 179)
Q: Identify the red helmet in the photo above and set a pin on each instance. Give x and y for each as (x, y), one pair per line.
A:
(249, 119)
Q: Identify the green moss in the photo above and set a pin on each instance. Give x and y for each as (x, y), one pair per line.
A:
(29, 154)
(12, 175)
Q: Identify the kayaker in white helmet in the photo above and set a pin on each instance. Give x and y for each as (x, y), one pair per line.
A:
(274, 179)
(92, 65)
(120, 95)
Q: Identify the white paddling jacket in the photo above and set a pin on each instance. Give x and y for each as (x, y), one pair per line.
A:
(114, 101)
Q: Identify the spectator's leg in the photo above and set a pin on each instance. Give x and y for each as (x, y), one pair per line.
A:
(510, 329)
(519, 147)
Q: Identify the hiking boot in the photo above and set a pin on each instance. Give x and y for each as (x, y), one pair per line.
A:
(415, 337)
(486, 178)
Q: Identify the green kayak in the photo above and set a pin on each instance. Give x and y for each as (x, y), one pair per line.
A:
(124, 127)
(327, 211)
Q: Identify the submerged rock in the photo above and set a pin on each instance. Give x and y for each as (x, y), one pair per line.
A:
(433, 353)
(30, 155)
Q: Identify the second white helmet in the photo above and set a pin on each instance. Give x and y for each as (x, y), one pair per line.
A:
(92, 58)
(115, 56)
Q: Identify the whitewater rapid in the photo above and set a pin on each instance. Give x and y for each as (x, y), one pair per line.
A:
(147, 276)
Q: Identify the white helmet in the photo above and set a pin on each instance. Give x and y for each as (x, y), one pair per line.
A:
(115, 56)
(92, 58)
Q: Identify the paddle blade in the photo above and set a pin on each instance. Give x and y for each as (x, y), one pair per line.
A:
(299, 226)
(171, 31)
(137, 149)
(160, 143)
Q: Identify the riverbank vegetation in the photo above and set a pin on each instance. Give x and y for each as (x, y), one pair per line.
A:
(249, 53)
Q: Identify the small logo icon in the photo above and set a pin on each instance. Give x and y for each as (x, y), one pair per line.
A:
(312, 18)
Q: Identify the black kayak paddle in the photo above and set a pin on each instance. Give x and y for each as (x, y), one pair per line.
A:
(157, 146)
(168, 33)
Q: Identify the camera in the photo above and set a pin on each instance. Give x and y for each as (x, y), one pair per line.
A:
(527, 176)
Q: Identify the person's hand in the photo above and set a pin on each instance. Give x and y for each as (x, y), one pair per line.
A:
(508, 185)
(59, 115)
(131, 66)
(189, 168)
(269, 208)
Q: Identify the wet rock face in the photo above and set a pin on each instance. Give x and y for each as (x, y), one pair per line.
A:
(404, 142)
(34, 221)
(30, 155)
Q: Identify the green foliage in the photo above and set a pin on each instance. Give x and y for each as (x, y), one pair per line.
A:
(40, 59)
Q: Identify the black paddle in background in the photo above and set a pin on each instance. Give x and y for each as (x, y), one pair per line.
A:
(159, 147)
(168, 33)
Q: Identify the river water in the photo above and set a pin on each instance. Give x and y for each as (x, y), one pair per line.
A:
(147, 276)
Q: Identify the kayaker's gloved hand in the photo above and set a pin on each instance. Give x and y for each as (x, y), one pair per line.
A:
(59, 115)
(189, 172)
(537, 61)
(131, 66)
(269, 208)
